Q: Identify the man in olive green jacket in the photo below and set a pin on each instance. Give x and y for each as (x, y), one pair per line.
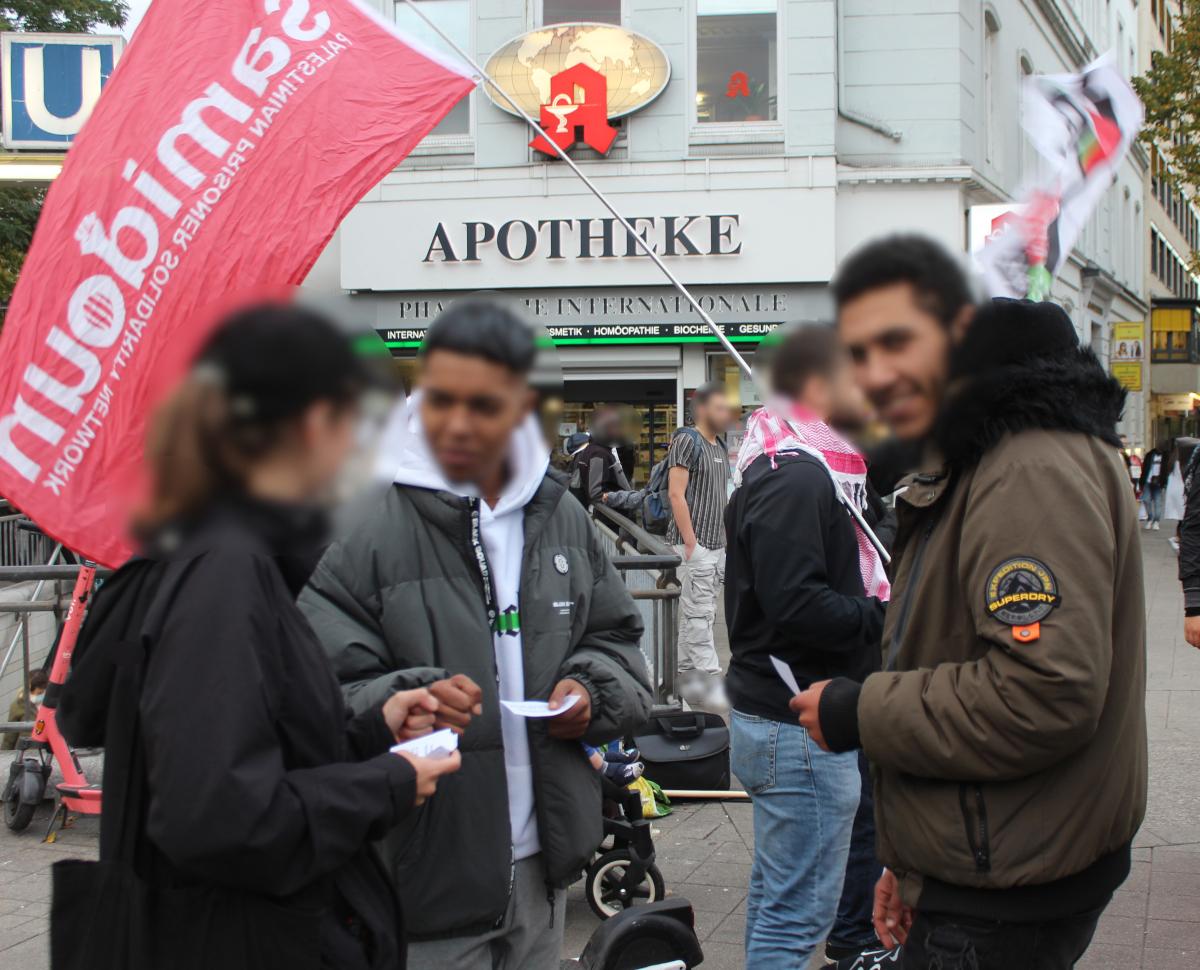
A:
(1007, 728)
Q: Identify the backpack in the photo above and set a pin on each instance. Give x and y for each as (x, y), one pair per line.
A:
(575, 444)
(656, 502)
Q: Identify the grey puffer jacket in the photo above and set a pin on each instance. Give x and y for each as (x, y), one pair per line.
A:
(399, 603)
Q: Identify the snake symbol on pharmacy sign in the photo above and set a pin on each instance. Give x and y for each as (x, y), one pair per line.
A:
(578, 111)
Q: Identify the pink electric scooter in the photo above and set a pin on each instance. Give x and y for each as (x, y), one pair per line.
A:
(36, 755)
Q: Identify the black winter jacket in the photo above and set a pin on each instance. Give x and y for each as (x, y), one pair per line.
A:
(793, 588)
(602, 473)
(1189, 533)
(398, 602)
(259, 783)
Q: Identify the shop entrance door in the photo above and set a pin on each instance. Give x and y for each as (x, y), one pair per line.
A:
(648, 404)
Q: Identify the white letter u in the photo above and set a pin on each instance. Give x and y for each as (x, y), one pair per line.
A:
(35, 92)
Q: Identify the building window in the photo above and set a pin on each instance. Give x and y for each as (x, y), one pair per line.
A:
(581, 11)
(1027, 154)
(453, 18)
(1172, 347)
(1138, 252)
(737, 67)
(990, 43)
(1123, 236)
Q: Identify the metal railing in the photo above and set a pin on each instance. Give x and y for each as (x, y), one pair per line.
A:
(20, 545)
(648, 566)
(37, 602)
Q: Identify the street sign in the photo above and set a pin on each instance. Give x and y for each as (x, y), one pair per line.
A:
(1127, 341)
(49, 84)
(1128, 374)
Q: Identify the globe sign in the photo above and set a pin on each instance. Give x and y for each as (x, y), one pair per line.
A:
(635, 67)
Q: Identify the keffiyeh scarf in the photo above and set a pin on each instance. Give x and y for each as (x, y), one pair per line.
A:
(780, 429)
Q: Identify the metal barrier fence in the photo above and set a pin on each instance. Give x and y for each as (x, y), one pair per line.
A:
(19, 545)
(648, 565)
(52, 601)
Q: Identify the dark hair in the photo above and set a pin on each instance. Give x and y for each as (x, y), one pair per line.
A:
(941, 284)
(806, 350)
(38, 678)
(261, 369)
(483, 328)
(605, 412)
(706, 391)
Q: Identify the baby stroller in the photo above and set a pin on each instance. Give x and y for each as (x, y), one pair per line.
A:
(623, 873)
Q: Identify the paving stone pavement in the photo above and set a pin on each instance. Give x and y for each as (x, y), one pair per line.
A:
(1153, 922)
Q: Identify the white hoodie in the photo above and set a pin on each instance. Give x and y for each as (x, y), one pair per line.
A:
(502, 532)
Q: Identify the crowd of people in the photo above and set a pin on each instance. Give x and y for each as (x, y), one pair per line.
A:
(937, 644)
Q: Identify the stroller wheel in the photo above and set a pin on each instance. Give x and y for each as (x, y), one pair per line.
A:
(606, 893)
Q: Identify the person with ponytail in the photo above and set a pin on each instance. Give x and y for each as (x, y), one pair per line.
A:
(240, 797)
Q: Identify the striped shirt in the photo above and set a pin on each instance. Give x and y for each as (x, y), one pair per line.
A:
(707, 488)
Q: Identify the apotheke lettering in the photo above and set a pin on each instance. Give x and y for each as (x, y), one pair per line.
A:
(517, 240)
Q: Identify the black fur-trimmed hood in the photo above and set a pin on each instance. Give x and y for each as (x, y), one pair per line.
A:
(1021, 368)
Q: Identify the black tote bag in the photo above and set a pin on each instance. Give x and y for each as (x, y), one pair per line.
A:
(686, 751)
(105, 917)
(108, 915)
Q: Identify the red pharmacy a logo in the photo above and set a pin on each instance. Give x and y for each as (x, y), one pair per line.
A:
(577, 112)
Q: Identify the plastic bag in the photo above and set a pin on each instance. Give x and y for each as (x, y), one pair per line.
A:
(655, 803)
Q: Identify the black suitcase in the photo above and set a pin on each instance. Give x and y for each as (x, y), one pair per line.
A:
(686, 751)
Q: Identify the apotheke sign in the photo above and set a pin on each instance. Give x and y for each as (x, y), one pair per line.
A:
(534, 241)
(518, 240)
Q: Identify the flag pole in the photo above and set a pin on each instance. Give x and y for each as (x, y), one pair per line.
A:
(641, 241)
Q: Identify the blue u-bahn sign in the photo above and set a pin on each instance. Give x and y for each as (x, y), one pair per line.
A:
(49, 84)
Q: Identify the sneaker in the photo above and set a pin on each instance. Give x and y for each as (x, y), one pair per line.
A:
(1157, 526)
(622, 756)
(623, 774)
(834, 954)
(1174, 541)
(1149, 525)
(693, 689)
(879, 959)
(715, 700)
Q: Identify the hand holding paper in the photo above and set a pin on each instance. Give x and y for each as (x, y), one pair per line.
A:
(572, 707)
(439, 744)
(431, 756)
(540, 708)
(785, 674)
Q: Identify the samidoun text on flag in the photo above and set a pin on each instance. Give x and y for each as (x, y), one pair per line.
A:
(231, 141)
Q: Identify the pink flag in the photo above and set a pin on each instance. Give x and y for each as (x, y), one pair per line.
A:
(231, 141)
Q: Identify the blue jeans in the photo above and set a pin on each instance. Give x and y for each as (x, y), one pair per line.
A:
(1152, 498)
(804, 803)
(854, 927)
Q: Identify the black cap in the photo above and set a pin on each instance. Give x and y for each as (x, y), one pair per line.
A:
(275, 359)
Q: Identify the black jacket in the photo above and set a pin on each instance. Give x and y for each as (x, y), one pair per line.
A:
(793, 588)
(1189, 533)
(602, 473)
(398, 602)
(1159, 480)
(257, 781)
